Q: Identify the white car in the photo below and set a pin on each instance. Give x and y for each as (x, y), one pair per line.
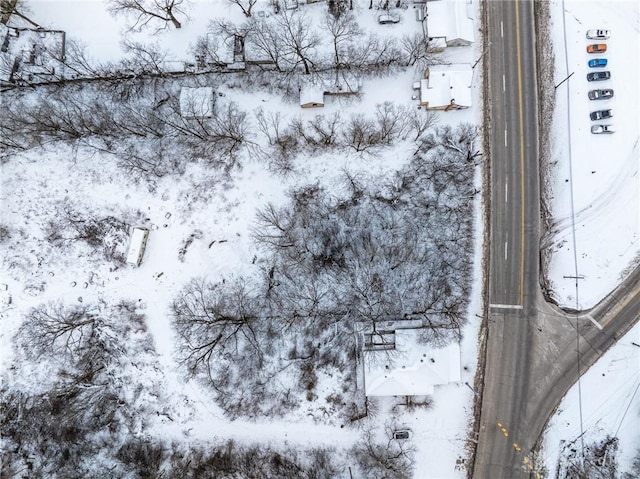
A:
(388, 18)
(597, 129)
(598, 34)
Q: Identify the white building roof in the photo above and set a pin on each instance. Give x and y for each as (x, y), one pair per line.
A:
(311, 93)
(196, 102)
(447, 83)
(136, 244)
(413, 369)
(450, 19)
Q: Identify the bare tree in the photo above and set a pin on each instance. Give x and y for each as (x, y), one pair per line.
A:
(266, 39)
(144, 12)
(17, 8)
(379, 460)
(215, 319)
(391, 121)
(143, 57)
(360, 133)
(419, 121)
(372, 51)
(414, 46)
(344, 30)
(245, 6)
(54, 328)
(299, 40)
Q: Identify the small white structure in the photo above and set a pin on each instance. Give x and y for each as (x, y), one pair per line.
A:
(341, 83)
(411, 368)
(450, 20)
(197, 102)
(311, 95)
(137, 245)
(335, 83)
(447, 87)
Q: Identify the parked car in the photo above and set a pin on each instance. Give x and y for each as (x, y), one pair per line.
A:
(598, 34)
(597, 63)
(597, 48)
(600, 115)
(598, 76)
(598, 129)
(386, 18)
(401, 434)
(603, 94)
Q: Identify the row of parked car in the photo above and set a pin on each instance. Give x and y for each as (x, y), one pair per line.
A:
(604, 93)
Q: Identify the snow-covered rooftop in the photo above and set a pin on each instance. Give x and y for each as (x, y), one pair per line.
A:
(412, 369)
(196, 102)
(450, 19)
(311, 95)
(447, 85)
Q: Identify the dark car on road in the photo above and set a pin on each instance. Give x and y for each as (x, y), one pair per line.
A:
(600, 115)
(598, 76)
(603, 94)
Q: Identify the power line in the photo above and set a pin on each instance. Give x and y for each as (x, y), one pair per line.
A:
(627, 409)
(573, 234)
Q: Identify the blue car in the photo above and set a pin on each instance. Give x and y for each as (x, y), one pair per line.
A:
(598, 62)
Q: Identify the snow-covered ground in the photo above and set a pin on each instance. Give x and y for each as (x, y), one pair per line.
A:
(606, 402)
(595, 185)
(595, 205)
(217, 210)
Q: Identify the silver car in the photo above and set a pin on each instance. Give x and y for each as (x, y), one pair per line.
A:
(598, 129)
(598, 34)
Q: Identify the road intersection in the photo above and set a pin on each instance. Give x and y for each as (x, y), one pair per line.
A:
(535, 351)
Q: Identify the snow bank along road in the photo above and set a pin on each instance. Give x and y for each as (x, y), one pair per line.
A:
(531, 357)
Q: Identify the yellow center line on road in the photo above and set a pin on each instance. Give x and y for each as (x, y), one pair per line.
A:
(613, 314)
(518, 49)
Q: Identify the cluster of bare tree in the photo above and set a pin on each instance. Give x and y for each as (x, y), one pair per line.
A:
(400, 251)
(598, 461)
(109, 234)
(146, 136)
(287, 137)
(289, 42)
(97, 371)
(378, 460)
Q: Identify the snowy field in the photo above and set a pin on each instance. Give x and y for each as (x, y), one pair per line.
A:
(594, 178)
(201, 225)
(610, 408)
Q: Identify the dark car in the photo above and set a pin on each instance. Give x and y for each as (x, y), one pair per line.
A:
(597, 63)
(600, 115)
(401, 434)
(603, 94)
(598, 76)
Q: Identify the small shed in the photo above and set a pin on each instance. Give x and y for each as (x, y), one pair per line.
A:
(311, 95)
(197, 102)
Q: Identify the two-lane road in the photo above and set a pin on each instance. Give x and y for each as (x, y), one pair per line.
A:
(514, 233)
(514, 155)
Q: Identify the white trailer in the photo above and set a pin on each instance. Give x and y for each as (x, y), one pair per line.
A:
(137, 245)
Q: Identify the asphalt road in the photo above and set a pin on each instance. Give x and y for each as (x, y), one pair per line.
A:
(532, 348)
